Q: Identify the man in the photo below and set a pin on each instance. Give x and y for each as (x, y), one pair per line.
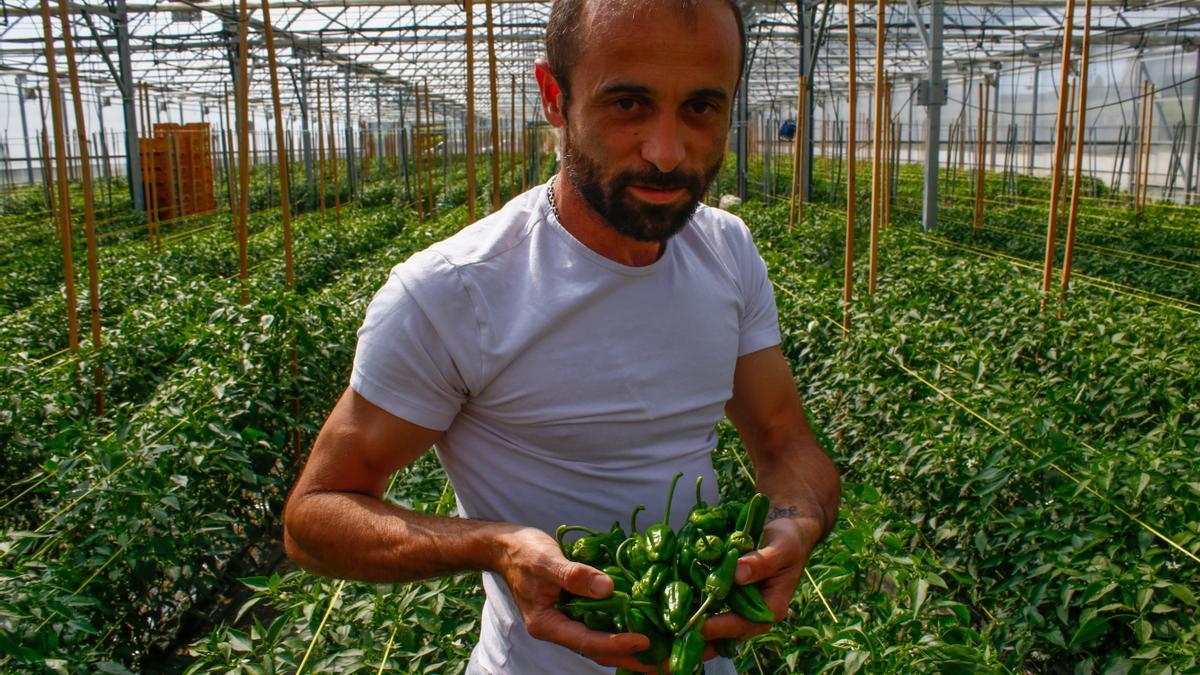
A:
(568, 354)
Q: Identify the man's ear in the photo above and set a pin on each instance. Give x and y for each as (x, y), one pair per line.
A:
(553, 100)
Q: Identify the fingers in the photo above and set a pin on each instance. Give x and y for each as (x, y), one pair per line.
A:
(783, 548)
(730, 625)
(585, 581)
(554, 626)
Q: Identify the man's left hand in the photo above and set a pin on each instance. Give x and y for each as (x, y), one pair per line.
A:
(778, 565)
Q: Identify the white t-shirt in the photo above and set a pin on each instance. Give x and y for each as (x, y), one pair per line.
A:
(571, 387)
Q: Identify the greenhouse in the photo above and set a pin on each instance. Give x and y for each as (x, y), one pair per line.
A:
(978, 221)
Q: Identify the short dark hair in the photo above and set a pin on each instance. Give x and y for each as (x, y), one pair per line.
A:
(565, 25)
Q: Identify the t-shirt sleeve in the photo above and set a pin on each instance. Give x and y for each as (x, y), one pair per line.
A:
(415, 344)
(760, 318)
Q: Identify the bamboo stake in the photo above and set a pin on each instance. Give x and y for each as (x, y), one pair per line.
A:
(1056, 174)
(524, 149)
(333, 155)
(512, 124)
(1137, 173)
(64, 195)
(1077, 179)
(242, 93)
(1149, 142)
(470, 110)
(877, 150)
(285, 206)
(429, 161)
(285, 210)
(152, 182)
(418, 153)
(229, 150)
(495, 108)
(888, 166)
(89, 205)
(980, 155)
(848, 290)
(321, 155)
(797, 163)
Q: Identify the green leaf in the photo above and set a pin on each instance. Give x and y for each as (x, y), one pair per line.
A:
(1090, 630)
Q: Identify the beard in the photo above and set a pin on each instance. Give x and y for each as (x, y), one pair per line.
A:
(626, 214)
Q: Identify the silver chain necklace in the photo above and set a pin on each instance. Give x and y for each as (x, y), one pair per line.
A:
(553, 205)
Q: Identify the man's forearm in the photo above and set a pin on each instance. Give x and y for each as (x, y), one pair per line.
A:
(355, 536)
(802, 482)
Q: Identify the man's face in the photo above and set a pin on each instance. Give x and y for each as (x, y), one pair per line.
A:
(649, 112)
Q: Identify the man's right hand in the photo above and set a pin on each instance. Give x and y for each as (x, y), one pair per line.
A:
(537, 572)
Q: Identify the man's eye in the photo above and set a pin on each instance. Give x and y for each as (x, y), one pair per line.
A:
(701, 107)
(626, 105)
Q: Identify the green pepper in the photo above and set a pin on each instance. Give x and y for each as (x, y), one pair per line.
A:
(614, 537)
(753, 515)
(587, 549)
(676, 604)
(750, 524)
(578, 607)
(709, 549)
(687, 653)
(717, 585)
(651, 582)
(697, 574)
(620, 581)
(641, 620)
(726, 647)
(631, 559)
(636, 559)
(688, 534)
(660, 538)
(600, 621)
(710, 519)
(748, 603)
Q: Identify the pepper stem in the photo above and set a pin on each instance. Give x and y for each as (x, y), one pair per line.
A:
(620, 563)
(699, 502)
(671, 496)
(633, 519)
(563, 529)
(696, 617)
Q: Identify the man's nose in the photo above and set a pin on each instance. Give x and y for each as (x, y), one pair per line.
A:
(663, 146)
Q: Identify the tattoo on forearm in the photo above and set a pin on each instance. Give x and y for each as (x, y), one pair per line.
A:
(778, 512)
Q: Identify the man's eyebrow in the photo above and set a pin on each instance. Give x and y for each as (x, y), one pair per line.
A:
(619, 87)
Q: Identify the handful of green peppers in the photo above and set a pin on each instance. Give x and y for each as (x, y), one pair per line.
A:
(666, 583)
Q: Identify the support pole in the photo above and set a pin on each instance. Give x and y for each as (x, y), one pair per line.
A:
(1190, 187)
(285, 205)
(89, 205)
(796, 212)
(1056, 172)
(851, 40)
(470, 110)
(133, 155)
(29, 155)
(419, 154)
(351, 173)
(491, 40)
(321, 156)
(305, 128)
(64, 195)
(980, 154)
(429, 166)
(333, 156)
(1149, 144)
(1033, 119)
(242, 94)
(877, 135)
(1076, 180)
(934, 99)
